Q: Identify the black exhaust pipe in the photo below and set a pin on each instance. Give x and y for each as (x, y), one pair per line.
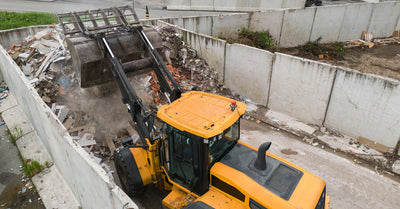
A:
(261, 163)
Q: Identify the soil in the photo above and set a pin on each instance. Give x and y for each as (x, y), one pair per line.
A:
(378, 60)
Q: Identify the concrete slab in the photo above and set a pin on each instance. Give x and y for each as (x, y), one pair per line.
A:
(228, 25)
(16, 121)
(293, 4)
(327, 23)
(202, 5)
(53, 190)
(225, 5)
(31, 147)
(248, 72)
(365, 105)
(270, 21)
(384, 19)
(355, 21)
(297, 25)
(301, 88)
(270, 4)
(8, 103)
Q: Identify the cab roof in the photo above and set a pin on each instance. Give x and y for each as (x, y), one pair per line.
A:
(202, 114)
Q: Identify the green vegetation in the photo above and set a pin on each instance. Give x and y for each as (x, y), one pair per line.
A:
(313, 47)
(32, 168)
(258, 39)
(333, 51)
(15, 134)
(340, 49)
(10, 20)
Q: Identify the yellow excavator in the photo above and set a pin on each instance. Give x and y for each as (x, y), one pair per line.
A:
(195, 153)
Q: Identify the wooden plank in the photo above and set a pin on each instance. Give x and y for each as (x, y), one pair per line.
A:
(375, 145)
(110, 144)
(80, 128)
(68, 123)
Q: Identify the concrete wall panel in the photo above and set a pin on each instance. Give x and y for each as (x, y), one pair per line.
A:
(327, 23)
(268, 21)
(178, 4)
(9, 37)
(225, 5)
(86, 179)
(208, 48)
(202, 5)
(365, 105)
(355, 21)
(248, 72)
(270, 4)
(384, 19)
(300, 88)
(293, 3)
(229, 25)
(296, 28)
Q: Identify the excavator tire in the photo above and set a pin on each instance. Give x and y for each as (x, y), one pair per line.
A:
(128, 172)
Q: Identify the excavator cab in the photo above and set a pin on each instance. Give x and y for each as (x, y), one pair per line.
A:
(188, 157)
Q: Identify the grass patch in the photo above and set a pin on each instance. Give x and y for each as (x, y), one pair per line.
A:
(258, 39)
(15, 134)
(33, 167)
(10, 20)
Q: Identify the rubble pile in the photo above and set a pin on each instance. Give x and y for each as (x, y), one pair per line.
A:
(89, 118)
(185, 65)
(41, 58)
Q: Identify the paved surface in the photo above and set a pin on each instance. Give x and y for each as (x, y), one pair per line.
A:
(349, 185)
(9, 160)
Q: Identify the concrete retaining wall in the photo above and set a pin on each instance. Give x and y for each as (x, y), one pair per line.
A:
(365, 105)
(355, 21)
(87, 180)
(296, 27)
(327, 23)
(233, 5)
(270, 21)
(384, 19)
(217, 25)
(301, 88)
(9, 37)
(293, 27)
(248, 72)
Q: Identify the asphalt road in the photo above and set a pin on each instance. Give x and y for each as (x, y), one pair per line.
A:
(349, 185)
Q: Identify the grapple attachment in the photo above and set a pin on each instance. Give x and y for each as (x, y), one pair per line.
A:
(82, 29)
